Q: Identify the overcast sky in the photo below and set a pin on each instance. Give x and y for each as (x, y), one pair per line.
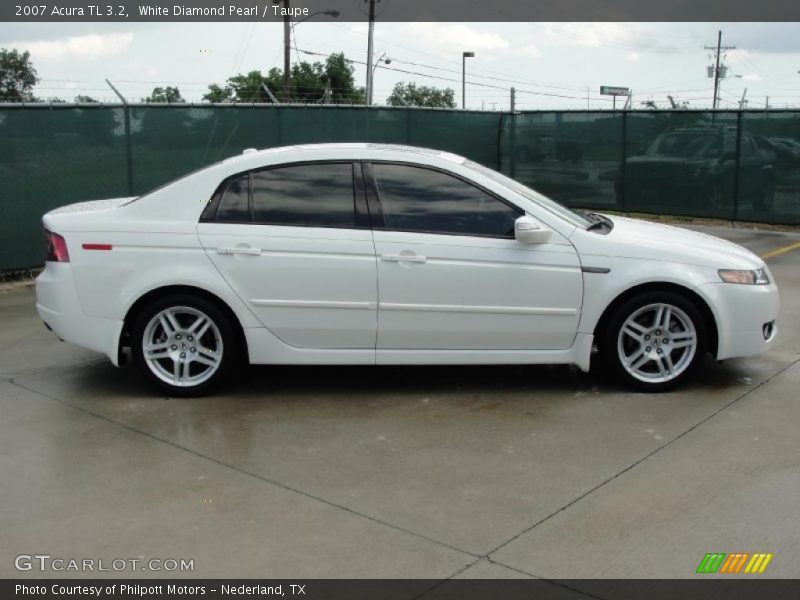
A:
(550, 64)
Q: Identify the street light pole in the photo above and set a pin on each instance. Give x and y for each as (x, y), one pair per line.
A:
(464, 57)
(381, 59)
(370, 35)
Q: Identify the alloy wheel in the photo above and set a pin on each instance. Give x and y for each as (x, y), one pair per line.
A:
(657, 343)
(182, 346)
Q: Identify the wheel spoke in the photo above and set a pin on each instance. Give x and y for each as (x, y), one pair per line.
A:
(683, 339)
(185, 370)
(176, 370)
(634, 330)
(639, 359)
(200, 326)
(662, 369)
(157, 350)
(207, 357)
(667, 360)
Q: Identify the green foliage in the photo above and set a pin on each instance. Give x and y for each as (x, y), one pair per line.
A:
(17, 76)
(309, 82)
(410, 95)
(166, 94)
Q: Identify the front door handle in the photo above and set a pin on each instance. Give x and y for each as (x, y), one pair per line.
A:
(249, 250)
(411, 258)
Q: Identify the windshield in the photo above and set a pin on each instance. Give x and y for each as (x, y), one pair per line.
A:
(684, 145)
(550, 205)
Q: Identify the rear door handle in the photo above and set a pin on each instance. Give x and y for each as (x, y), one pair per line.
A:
(412, 258)
(240, 250)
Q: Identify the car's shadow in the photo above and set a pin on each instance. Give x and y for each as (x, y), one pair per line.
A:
(281, 380)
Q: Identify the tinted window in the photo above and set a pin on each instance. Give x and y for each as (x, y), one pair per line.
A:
(318, 195)
(233, 206)
(418, 199)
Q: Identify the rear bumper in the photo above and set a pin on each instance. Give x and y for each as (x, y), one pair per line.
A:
(59, 307)
(743, 311)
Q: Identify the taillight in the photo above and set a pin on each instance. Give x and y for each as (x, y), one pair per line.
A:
(55, 247)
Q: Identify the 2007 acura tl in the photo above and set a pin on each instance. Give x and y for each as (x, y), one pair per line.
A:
(377, 254)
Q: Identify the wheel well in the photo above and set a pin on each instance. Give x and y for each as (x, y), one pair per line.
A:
(702, 306)
(152, 295)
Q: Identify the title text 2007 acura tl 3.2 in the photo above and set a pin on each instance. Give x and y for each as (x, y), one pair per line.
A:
(376, 254)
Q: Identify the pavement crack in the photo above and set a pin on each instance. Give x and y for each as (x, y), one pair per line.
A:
(242, 471)
(645, 457)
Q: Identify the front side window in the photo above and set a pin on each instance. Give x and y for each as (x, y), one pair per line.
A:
(419, 199)
(313, 195)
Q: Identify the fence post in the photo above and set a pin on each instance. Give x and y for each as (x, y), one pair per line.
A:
(736, 172)
(622, 169)
(128, 147)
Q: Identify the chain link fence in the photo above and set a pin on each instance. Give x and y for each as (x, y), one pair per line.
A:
(740, 165)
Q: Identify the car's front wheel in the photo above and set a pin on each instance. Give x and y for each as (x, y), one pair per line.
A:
(184, 344)
(654, 341)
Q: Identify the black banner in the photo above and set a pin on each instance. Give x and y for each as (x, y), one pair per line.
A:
(400, 10)
(406, 589)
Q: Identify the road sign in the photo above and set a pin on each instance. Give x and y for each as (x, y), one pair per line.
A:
(610, 90)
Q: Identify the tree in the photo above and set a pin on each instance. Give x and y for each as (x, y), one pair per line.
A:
(309, 83)
(167, 94)
(410, 95)
(17, 76)
(218, 94)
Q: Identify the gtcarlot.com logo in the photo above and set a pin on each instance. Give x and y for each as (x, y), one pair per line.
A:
(45, 562)
(735, 562)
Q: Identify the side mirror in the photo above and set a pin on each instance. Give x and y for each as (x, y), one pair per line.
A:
(528, 230)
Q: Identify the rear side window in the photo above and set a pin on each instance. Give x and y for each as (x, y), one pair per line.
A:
(424, 200)
(233, 205)
(313, 195)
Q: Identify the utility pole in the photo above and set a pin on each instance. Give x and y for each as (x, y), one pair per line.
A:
(370, 74)
(464, 57)
(513, 100)
(287, 51)
(743, 102)
(717, 51)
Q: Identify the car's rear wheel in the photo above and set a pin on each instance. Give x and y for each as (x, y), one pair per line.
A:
(184, 344)
(655, 341)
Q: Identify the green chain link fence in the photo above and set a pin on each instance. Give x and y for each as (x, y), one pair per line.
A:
(740, 165)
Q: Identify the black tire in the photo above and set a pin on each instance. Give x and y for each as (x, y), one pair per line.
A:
(612, 344)
(224, 334)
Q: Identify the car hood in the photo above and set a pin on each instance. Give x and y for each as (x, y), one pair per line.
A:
(634, 238)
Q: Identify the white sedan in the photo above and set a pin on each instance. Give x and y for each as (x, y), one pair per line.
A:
(391, 255)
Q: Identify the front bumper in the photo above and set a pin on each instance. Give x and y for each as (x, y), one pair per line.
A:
(742, 312)
(59, 307)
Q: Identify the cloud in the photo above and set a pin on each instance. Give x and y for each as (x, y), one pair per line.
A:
(456, 37)
(633, 57)
(528, 50)
(751, 77)
(83, 47)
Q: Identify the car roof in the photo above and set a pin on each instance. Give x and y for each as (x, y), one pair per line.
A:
(359, 150)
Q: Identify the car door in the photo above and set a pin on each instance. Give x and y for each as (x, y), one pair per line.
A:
(293, 241)
(451, 276)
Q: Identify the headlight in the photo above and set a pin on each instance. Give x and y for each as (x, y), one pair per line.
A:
(758, 277)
